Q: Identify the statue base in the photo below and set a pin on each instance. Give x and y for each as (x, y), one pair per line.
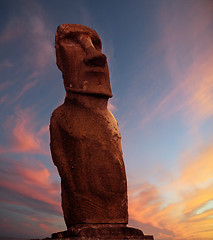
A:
(100, 231)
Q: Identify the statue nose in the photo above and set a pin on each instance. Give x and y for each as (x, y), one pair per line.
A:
(96, 60)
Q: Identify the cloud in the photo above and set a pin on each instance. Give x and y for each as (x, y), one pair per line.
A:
(24, 138)
(11, 31)
(28, 183)
(200, 166)
(28, 224)
(30, 27)
(40, 46)
(29, 199)
(30, 82)
(186, 47)
(3, 99)
(178, 209)
(111, 107)
(6, 64)
(4, 84)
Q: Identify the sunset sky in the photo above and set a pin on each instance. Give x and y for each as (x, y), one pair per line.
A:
(160, 55)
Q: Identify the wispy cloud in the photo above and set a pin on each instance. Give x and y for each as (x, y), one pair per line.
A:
(188, 55)
(183, 208)
(200, 165)
(11, 31)
(3, 99)
(41, 48)
(30, 82)
(29, 193)
(4, 84)
(30, 26)
(24, 138)
(6, 64)
(34, 186)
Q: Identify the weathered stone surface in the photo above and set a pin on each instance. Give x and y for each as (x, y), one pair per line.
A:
(85, 142)
(104, 231)
(79, 57)
(85, 138)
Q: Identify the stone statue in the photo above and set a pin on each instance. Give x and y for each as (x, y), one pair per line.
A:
(85, 138)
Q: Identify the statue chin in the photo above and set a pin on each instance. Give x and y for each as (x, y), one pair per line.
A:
(90, 82)
(100, 93)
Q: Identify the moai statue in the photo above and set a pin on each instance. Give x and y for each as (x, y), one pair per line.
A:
(86, 141)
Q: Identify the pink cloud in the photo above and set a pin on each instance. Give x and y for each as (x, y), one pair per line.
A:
(48, 224)
(26, 225)
(23, 136)
(47, 228)
(34, 182)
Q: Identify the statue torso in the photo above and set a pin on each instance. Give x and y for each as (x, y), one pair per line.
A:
(91, 155)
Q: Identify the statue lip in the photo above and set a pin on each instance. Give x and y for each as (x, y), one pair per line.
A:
(96, 69)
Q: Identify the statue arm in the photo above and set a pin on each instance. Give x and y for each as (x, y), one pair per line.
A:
(57, 149)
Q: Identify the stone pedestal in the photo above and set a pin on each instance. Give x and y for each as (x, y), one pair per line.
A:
(101, 231)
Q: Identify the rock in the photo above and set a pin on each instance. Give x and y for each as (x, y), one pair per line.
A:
(108, 231)
(85, 142)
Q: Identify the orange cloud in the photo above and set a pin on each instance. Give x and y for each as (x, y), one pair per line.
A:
(183, 207)
(200, 166)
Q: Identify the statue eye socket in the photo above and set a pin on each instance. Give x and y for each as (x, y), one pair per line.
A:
(96, 43)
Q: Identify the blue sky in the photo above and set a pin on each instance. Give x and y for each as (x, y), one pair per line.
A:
(160, 56)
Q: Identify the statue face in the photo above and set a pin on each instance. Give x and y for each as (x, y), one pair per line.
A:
(79, 57)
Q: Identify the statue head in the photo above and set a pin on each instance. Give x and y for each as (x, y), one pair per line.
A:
(79, 57)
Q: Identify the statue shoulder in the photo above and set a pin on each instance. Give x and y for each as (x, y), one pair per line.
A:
(62, 117)
(57, 114)
(112, 118)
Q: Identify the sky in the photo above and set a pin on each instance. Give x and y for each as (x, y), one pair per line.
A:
(160, 56)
